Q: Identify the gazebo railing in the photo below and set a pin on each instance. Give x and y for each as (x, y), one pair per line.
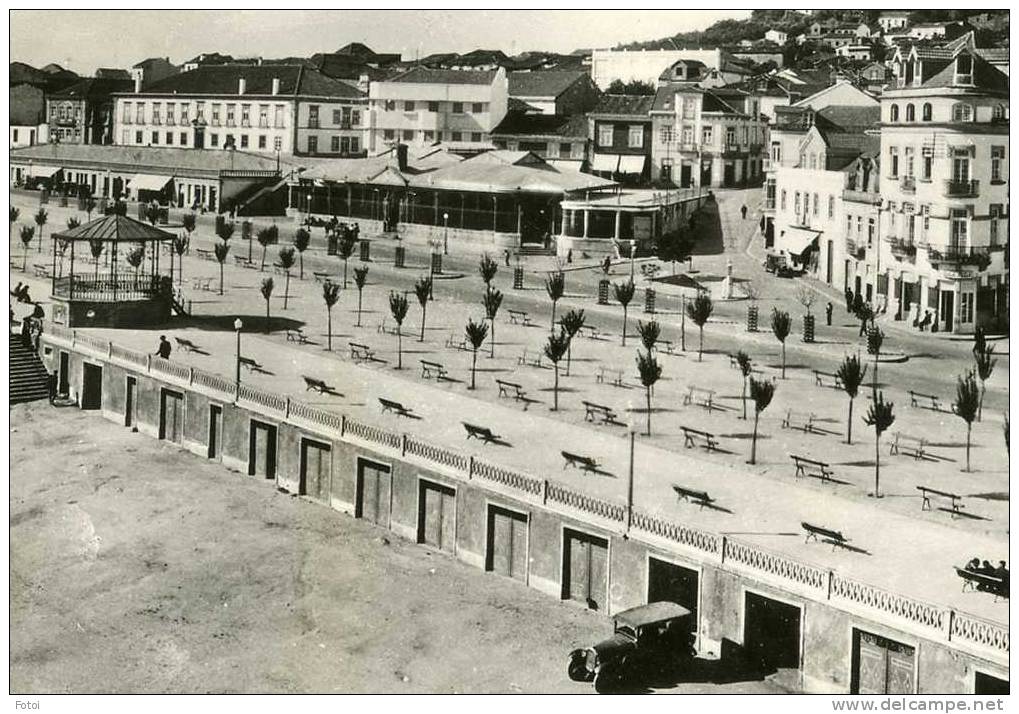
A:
(106, 288)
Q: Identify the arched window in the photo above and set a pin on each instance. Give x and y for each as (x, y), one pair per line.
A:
(910, 112)
(998, 112)
(894, 113)
(962, 112)
(926, 111)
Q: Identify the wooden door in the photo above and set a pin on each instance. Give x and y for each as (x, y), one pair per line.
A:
(771, 632)
(507, 543)
(374, 486)
(129, 401)
(585, 572)
(91, 386)
(262, 450)
(171, 416)
(673, 583)
(316, 467)
(881, 665)
(215, 431)
(437, 516)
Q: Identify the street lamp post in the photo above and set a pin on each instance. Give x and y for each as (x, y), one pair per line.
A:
(633, 256)
(445, 233)
(632, 427)
(237, 378)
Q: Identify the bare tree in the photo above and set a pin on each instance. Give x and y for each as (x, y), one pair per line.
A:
(302, 239)
(761, 391)
(492, 301)
(571, 322)
(555, 286)
(345, 249)
(781, 325)
(40, 220)
(746, 368)
(487, 268)
(650, 372)
(360, 280)
(286, 259)
(266, 237)
(423, 288)
(221, 250)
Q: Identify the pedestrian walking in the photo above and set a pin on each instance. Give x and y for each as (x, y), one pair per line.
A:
(164, 347)
(743, 211)
(828, 309)
(506, 257)
(979, 341)
(51, 385)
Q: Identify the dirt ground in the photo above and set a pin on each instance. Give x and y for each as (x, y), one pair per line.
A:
(137, 567)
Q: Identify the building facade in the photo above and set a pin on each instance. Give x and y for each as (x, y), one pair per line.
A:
(620, 131)
(554, 92)
(83, 112)
(27, 112)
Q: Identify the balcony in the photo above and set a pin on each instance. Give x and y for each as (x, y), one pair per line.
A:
(907, 184)
(904, 250)
(961, 189)
(958, 256)
(862, 197)
(313, 124)
(859, 252)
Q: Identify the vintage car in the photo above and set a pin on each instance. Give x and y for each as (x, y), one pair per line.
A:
(648, 641)
(780, 265)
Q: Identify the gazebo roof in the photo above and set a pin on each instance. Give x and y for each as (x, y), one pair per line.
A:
(115, 228)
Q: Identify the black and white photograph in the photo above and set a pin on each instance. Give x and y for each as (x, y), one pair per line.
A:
(514, 351)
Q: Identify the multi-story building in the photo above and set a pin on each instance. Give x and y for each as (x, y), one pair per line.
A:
(153, 69)
(779, 37)
(27, 116)
(893, 20)
(83, 112)
(284, 109)
(560, 140)
(647, 65)
(554, 92)
(423, 106)
(944, 228)
(705, 137)
(620, 131)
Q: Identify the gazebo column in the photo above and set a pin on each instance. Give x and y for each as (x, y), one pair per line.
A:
(619, 215)
(350, 202)
(70, 275)
(435, 202)
(586, 221)
(520, 214)
(113, 249)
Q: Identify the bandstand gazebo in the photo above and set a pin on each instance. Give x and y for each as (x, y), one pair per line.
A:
(98, 292)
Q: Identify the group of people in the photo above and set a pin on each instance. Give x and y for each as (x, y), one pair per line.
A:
(31, 325)
(985, 568)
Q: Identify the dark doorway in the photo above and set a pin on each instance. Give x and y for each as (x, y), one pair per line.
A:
(845, 279)
(771, 633)
(881, 665)
(585, 569)
(437, 516)
(859, 285)
(91, 386)
(316, 467)
(830, 263)
(171, 416)
(674, 583)
(986, 684)
(64, 374)
(729, 174)
(507, 543)
(130, 396)
(705, 173)
(262, 450)
(199, 137)
(686, 175)
(215, 431)
(947, 311)
(374, 486)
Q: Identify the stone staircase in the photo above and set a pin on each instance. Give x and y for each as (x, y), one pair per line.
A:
(535, 249)
(28, 376)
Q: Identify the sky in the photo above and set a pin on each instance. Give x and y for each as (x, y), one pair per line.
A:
(86, 39)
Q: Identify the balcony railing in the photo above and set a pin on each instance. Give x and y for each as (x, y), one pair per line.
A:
(961, 189)
(862, 197)
(959, 255)
(107, 289)
(902, 249)
(908, 184)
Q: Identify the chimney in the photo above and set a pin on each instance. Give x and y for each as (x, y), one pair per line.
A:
(138, 82)
(275, 85)
(242, 85)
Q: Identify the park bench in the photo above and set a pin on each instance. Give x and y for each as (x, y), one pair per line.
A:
(453, 343)
(243, 261)
(666, 345)
(41, 271)
(799, 420)
(820, 377)
(202, 284)
(701, 498)
(297, 336)
(973, 581)
(250, 364)
(954, 499)
(691, 436)
(388, 405)
(480, 432)
(811, 467)
(505, 388)
(429, 368)
(826, 535)
(519, 317)
(616, 375)
(533, 361)
(320, 277)
(279, 269)
(384, 330)
(204, 253)
(699, 395)
(914, 446)
(591, 332)
(317, 385)
(361, 353)
(186, 345)
(585, 463)
(916, 397)
(649, 270)
(600, 412)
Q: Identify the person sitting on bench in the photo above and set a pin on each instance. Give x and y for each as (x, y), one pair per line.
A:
(973, 565)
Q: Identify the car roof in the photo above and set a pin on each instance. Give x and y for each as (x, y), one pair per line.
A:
(651, 613)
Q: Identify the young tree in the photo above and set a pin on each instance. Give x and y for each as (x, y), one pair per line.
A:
(134, 258)
(180, 246)
(761, 391)
(152, 213)
(302, 239)
(360, 280)
(746, 369)
(225, 231)
(266, 236)
(90, 206)
(476, 333)
(649, 333)
(865, 314)
(423, 288)
(880, 415)
(286, 260)
(330, 294)
(650, 372)
(571, 322)
(699, 311)
(492, 301)
(72, 223)
(806, 297)
(555, 286)
(40, 220)
(555, 350)
(188, 221)
(674, 247)
(487, 268)
(851, 373)
(221, 250)
(967, 406)
(624, 294)
(96, 247)
(345, 249)
(13, 214)
(62, 246)
(398, 308)
(781, 325)
(27, 233)
(876, 338)
(266, 290)
(985, 367)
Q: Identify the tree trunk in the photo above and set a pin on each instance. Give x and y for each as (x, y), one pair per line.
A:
(980, 406)
(877, 464)
(344, 273)
(286, 289)
(474, 365)
(569, 355)
(221, 278)
(753, 441)
(624, 325)
(300, 257)
(552, 327)
(849, 423)
(424, 314)
(783, 359)
(744, 397)
(268, 320)
(24, 263)
(262, 268)
(648, 394)
(555, 389)
(969, 431)
(329, 329)
(399, 348)
(700, 344)
(492, 341)
(359, 294)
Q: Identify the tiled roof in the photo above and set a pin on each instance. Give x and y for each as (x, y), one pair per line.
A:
(505, 172)
(223, 79)
(422, 75)
(985, 76)
(926, 52)
(27, 105)
(115, 227)
(94, 87)
(148, 62)
(624, 105)
(665, 101)
(851, 118)
(170, 160)
(112, 73)
(517, 123)
(542, 84)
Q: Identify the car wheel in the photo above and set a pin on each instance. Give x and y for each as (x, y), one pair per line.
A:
(608, 678)
(577, 669)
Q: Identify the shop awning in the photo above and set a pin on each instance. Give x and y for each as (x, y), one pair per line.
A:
(37, 171)
(149, 182)
(632, 164)
(605, 162)
(796, 240)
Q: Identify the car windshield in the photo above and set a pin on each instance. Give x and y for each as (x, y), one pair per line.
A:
(627, 630)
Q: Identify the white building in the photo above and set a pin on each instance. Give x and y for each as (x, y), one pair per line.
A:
(893, 20)
(777, 36)
(647, 65)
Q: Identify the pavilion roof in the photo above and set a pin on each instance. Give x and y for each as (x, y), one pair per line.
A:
(115, 228)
